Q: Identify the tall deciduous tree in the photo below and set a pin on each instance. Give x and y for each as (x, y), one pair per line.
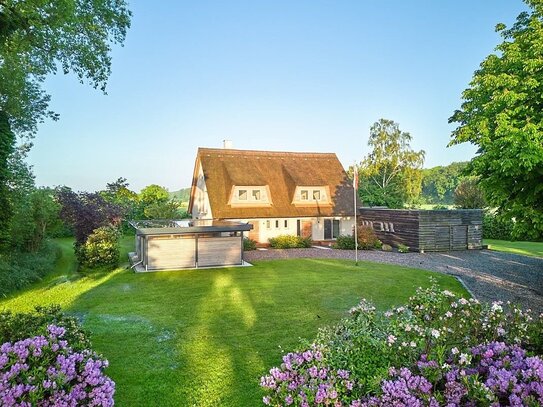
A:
(39, 37)
(86, 212)
(36, 39)
(502, 114)
(391, 173)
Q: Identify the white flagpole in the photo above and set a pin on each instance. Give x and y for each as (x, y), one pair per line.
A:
(355, 191)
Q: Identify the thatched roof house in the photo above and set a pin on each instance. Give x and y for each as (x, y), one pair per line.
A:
(278, 192)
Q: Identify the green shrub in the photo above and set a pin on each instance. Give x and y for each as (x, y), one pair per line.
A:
(290, 242)
(18, 270)
(249, 244)
(432, 323)
(496, 227)
(18, 326)
(344, 242)
(403, 248)
(101, 250)
(367, 239)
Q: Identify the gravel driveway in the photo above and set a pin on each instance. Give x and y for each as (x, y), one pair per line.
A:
(490, 275)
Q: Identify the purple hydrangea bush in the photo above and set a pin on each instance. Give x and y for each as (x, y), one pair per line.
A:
(303, 379)
(493, 375)
(44, 371)
(427, 353)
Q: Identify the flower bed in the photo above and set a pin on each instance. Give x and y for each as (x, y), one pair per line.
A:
(436, 350)
(45, 370)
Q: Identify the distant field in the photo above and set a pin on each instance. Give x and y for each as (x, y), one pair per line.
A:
(524, 248)
(182, 195)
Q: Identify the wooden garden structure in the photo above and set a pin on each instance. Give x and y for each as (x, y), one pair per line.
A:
(426, 230)
(187, 244)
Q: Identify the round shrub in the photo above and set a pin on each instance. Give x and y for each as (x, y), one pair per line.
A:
(101, 250)
(249, 244)
(344, 242)
(44, 370)
(290, 242)
(367, 239)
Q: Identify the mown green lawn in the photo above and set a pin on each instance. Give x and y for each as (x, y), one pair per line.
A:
(525, 248)
(204, 337)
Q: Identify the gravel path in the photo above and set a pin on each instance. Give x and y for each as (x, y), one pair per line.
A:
(490, 275)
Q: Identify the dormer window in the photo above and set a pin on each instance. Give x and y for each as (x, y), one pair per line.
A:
(250, 196)
(312, 196)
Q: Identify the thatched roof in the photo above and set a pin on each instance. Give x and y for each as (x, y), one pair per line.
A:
(282, 172)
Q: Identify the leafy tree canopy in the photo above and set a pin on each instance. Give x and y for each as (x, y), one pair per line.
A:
(39, 37)
(502, 114)
(468, 194)
(163, 210)
(153, 194)
(86, 212)
(439, 183)
(390, 174)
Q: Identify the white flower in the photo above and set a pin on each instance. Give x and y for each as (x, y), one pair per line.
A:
(455, 351)
(391, 339)
(412, 344)
(448, 293)
(435, 333)
(407, 328)
(463, 359)
(448, 314)
(463, 301)
(496, 307)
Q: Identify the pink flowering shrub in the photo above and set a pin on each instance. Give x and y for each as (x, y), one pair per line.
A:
(304, 380)
(422, 344)
(494, 375)
(44, 371)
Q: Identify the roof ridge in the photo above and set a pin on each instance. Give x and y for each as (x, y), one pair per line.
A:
(262, 152)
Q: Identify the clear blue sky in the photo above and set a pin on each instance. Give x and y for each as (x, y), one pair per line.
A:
(272, 75)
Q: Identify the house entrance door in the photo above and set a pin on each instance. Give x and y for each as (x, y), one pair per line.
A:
(331, 229)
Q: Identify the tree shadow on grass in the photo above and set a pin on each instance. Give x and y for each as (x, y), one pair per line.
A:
(204, 337)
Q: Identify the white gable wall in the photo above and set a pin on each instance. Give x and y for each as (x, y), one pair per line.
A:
(201, 208)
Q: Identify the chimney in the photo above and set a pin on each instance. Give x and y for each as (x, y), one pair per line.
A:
(227, 144)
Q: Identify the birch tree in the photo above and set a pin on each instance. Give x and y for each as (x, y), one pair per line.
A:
(391, 173)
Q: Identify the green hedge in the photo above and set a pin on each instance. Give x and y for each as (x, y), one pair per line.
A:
(344, 242)
(18, 270)
(495, 227)
(290, 242)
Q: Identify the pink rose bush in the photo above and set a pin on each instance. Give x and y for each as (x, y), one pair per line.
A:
(436, 350)
(45, 371)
